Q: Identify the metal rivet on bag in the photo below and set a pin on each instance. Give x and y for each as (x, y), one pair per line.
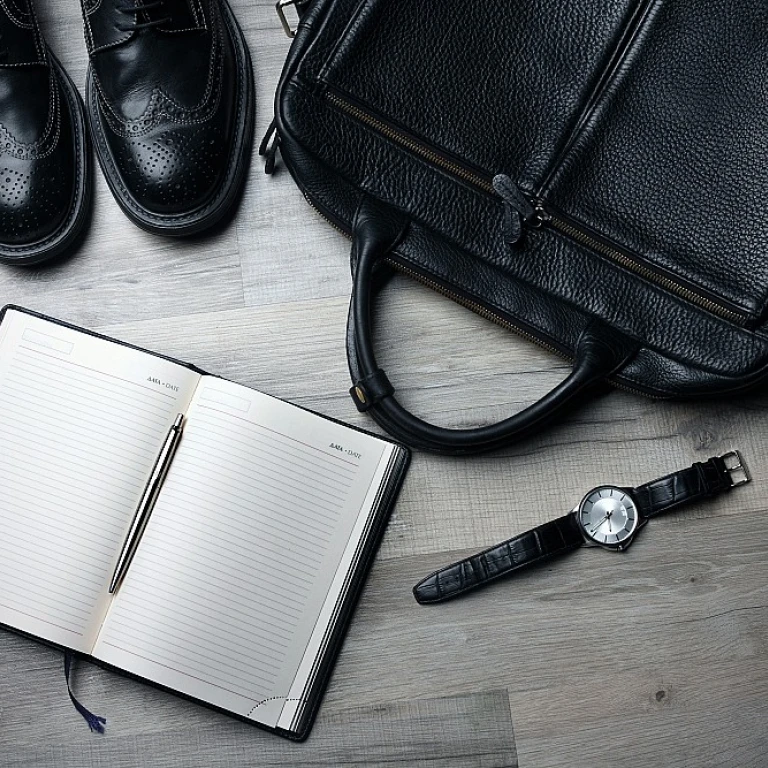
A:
(360, 395)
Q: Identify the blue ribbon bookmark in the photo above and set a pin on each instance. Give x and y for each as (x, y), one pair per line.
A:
(95, 723)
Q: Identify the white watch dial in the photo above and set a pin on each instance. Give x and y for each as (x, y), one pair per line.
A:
(608, 516)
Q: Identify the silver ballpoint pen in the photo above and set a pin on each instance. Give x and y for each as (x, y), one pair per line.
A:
(147, 502)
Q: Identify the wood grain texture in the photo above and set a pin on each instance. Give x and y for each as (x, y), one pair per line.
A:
(654, 657)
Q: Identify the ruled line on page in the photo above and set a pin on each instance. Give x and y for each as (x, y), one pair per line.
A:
(57, 427)
(64, 482)
(79, 515)
(181, 659)
(279, 587)
(318, 529)
(247, 695)
(54, 448)
(34, 589)
(288, 543)
(52, 372)
(223, 585)
(225, 633)
(283, 436)
(279, 538)
(214, 654)
(72, 460)
(272, 469)
(44, 620)
(73, 507)
(76, 407)
(273, 637)
(267, 479)
(235, 435)
(201, 443)
(47, 382)
(24, 557)
(238, 430)
(99, 374)
(40, 410)
(50, 529)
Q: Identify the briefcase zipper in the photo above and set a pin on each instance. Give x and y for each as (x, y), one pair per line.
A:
(417, 146)
(543, 215)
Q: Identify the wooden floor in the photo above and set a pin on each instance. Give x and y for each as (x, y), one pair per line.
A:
(657, 657)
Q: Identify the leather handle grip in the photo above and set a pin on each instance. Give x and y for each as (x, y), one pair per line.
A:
(599, 352)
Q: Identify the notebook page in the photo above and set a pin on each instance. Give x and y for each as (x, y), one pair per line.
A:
(80, 428)
(241, 550)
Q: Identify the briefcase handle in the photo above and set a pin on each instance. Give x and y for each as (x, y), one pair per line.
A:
(600, 351)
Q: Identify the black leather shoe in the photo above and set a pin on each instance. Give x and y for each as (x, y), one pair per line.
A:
(170, 104)
(44, 164)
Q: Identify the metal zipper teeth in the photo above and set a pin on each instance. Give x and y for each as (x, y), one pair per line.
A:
(625, 261)
(417, 147)
(425, 152)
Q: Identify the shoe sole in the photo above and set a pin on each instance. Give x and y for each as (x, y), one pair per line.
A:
(206, 216)
(55, 244)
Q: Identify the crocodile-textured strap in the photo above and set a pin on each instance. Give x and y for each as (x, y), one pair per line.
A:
(701, 480)
(543, 542)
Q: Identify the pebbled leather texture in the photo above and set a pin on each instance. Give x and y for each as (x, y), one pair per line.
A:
(44, 163)
(548, 540)
(170, 98)
(642, 123)
(700, 481)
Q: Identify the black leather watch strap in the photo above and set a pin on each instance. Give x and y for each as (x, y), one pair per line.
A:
(701, 480)
(546, 541)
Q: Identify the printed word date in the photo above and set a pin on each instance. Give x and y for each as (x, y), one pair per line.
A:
(164, 384)
(347, 451)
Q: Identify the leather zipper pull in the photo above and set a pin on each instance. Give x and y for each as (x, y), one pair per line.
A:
(269, 146)
(517, 208)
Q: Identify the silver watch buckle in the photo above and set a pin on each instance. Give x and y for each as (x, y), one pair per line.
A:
(736, 468)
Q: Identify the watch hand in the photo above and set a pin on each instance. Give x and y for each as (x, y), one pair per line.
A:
(594, 529)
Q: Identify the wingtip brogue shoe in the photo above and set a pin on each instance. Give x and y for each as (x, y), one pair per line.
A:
(45, 180)
(170, 101)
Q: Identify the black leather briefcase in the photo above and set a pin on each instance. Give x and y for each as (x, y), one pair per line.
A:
(589, 173)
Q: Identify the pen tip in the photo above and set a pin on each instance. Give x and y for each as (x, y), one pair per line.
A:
(179, 421)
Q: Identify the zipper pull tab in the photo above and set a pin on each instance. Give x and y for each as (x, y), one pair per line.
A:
(517, 208)
(269, 146)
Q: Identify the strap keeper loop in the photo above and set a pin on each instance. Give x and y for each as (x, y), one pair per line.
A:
(371, 389)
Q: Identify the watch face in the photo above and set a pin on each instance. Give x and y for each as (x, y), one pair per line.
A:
(608, 516)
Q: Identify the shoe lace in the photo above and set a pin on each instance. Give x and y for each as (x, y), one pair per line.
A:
(134, 10)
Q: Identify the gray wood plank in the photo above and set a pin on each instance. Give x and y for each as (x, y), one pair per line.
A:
(472, 729)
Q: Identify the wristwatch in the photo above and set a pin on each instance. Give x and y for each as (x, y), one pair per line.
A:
(608, 517)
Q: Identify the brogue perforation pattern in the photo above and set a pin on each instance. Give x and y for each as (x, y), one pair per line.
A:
(175, 167)
(30, 201)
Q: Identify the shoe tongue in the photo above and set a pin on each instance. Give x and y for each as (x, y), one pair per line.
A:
(178, 15)
(20, 39)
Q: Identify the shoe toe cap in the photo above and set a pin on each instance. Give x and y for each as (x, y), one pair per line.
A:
(173, 170)
(35, 197)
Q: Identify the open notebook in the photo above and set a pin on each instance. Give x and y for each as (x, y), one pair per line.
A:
(244, 579)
